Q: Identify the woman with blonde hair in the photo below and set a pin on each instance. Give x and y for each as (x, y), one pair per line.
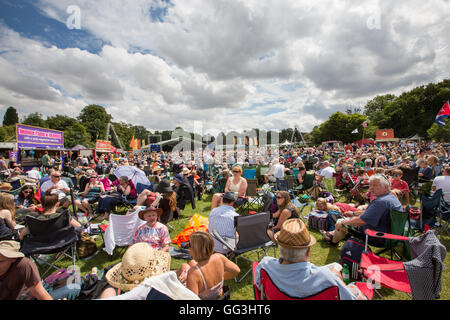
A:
(236, 184)
(205, 274)
(7, 214)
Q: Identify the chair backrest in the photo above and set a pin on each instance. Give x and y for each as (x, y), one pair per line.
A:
(410, 175)
(249, 173)
(121, 230)
(308, 180)
(263, 170)
(252, 231)
(290, 181)
(251, 188)
(106, 183)
(398, 221)
(38, 227)
(295, 171)
(330, 184)
(430, 204)
(271, 292)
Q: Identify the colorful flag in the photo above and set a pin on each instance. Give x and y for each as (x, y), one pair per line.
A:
(355, 131)
(132, 143)
(443, 113)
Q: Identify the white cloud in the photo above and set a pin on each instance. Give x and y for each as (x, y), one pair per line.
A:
(232, 64)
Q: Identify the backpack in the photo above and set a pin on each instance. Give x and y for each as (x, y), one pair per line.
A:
(351, 253)
(86, 246)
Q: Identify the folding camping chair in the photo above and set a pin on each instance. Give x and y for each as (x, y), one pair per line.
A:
(252, 237)
(443, 217)
(420, 277)
(269, 290)
(430, 208)
(253, 198)
(249, 174)
(120, 231)
(411, 176)
(49, 237)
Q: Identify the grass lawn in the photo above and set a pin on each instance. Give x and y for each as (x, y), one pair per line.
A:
(321, 254)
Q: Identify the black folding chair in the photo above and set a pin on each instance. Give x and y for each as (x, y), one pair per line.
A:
(50, 237)
(252, 238)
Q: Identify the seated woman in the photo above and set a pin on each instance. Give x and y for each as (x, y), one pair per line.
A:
(49, 205)
(205, 274)
(7, 215)
(91, 194)
(24, 199)
(123, 187)
(301, 174)
(153, 232)
(236, 183)
(286, 210)
(168, 203)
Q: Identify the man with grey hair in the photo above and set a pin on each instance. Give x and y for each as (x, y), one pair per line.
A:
(292, 273)
(375, 217)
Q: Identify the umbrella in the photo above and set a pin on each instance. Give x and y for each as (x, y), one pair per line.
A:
(78, 147)
(134, 174)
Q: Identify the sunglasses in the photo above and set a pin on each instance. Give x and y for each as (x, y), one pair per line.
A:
(56, 176)
(279, 197)
(27, 191)
(236, 171)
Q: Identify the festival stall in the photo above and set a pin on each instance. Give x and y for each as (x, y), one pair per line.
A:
(32, 143)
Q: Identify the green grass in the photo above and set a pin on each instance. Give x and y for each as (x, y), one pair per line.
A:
(321, 254)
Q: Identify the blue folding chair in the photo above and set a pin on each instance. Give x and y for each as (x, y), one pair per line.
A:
(249, 174)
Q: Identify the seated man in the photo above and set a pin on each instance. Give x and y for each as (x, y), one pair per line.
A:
(57, 186)
(221, 219)
(326, 171)
(18, 274)
(293, 274)
(375, 217)
(443, 182)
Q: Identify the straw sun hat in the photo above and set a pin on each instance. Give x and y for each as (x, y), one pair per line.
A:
(139, 262)
(294, 234)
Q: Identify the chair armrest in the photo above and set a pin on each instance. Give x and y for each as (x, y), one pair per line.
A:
(384, 235)
(229, 244)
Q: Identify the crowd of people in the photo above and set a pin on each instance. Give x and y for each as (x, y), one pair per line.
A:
(371, 175)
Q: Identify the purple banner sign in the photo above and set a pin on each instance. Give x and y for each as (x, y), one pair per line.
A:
(38, 138)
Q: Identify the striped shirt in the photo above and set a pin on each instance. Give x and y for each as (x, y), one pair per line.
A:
(221, 219)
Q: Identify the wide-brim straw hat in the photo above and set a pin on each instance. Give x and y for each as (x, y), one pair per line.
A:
(185, 171)
(157, 168)
(294, 234)
(158, 211)
(139, 262)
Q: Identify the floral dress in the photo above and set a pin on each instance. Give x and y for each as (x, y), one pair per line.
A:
(158, 236)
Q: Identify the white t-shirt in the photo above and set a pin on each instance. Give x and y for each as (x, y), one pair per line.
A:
(34, 174)
(327, 172)
(48, 184)
(278, 171)
(443, 182)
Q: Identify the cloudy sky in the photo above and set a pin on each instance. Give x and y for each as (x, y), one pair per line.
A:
(231, 64)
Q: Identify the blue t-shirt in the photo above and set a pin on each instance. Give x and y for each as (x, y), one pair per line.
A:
(377, 214)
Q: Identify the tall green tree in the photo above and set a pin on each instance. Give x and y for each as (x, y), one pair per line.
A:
(11, 117)
(60, 122)
(95, 119)
(77, 134)
(35, 119)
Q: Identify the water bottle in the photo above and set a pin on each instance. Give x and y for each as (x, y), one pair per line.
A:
(345, 274)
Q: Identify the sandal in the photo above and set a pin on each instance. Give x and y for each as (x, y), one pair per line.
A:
(326, 235)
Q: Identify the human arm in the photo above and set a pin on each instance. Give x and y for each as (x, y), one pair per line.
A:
(38, 291)
(243, 188)
(6, 214)
(227, 185)
(231, 269)
(282, 217)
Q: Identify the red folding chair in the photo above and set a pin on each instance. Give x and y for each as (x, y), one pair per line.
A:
(382, 271)
(269, 291)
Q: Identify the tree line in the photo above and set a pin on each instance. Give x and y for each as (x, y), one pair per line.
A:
(410, 113)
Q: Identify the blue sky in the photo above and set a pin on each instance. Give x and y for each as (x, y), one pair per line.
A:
(231, 64)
